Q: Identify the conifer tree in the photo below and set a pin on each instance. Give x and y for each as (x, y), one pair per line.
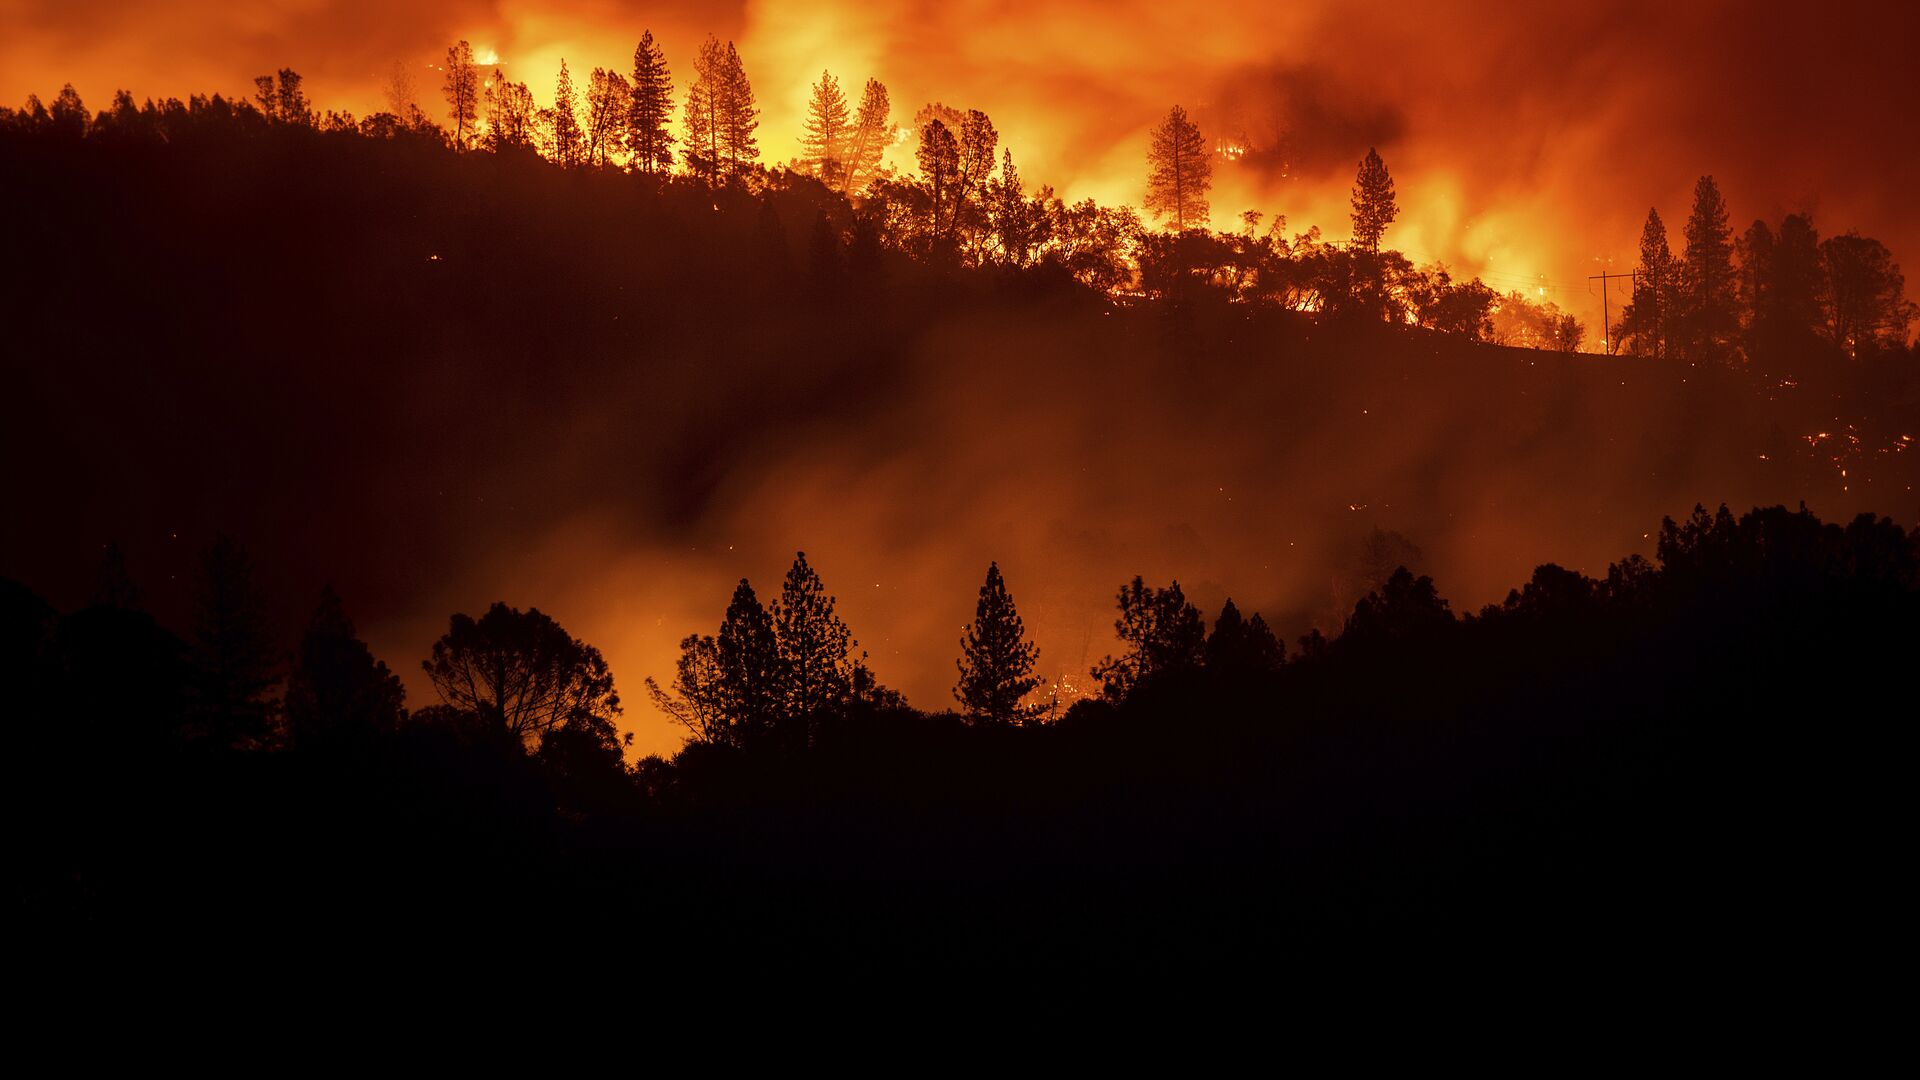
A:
(1179, 172)
(815, 647)
(569, 143)
(741, 117)
(1644, 321)
(824, 142)
(462, 89)
(649, 109)
(873, 132)
(337, 693)
(706, 114)
(996, 659)
(939, 157)
(751, 676)
(1373, 205)
(1240, 646)
(1707, 312)
(1163, 633)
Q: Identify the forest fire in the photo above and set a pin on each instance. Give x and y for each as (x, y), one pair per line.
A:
(892, 465)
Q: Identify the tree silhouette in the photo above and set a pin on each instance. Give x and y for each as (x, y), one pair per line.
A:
(1867, 308)
(1242, 646)
(814, 647)
(521, 674)
(698, 701)
(608, 98)
(337, 693)
(1643, 322)
(649, 109)
(996, 659)
(1373, 205)
(68, 117)
(739, 118)
(939, 158)
(569, 143)
(1403, 607)
(232, 651)
(753, 680)
(512, 120)
(1163, 635)
(1179, 171)
(873, 132)
(462, 90)
(706, 115)
(280, 99)
(823, 143)
(1706, 312)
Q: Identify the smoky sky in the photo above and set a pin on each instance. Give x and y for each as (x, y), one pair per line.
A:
(1528, 140)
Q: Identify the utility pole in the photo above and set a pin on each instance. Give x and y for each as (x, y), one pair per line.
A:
(1606, 328)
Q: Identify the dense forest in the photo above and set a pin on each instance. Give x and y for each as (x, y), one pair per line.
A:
(385, 352)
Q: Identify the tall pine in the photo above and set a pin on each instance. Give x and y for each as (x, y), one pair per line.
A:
(996, 659)
(752, 682)
(569, 142)
(1374, 207)
(824, 141)
(233, 651)
(1179, 171)
(649, 109)
(873, 132)
(741, 117)
(1644, 321)
(815, 648)
(337, 693)
(1707, 315)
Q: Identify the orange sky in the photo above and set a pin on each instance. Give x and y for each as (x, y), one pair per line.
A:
(1527, 142)
(1527, 139)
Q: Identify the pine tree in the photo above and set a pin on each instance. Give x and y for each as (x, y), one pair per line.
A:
(462, 89)
(512, 121)
(1373, 205)
(1164, 634)
(1179, 171)
(815, 648)
(1240, 646)
(824, 142)
(337, 693)
(1644, 321)
(1707, 312)
(747, 659)
(233, 653)
(996, 660)
(569, 143)
(651, 106)
(873, 132)
(706, 122)
(939, 157)
(741, 117)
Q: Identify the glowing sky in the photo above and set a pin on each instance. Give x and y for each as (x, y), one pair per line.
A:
(1528, 139)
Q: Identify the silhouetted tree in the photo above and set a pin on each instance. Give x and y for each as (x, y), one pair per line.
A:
(563, 125)
(1643, 322)
(68, 117)
(1706, 309)
(281, 99)
(512, 120)
(608, 98)
(823, 143)
(462, 90)
(337, 693)
(705, 147)
(814, 647)
(522, 675)
(1373, 204)
(1405, 606)
(939, 158)
(1162, 632)
(1780, 286)
(1867, 308)
(232, 651)
(996, 659)
(1240, 646)
(752, 679)
(1179, 171)
(698, 701)
(873, 132)
(650, 108)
